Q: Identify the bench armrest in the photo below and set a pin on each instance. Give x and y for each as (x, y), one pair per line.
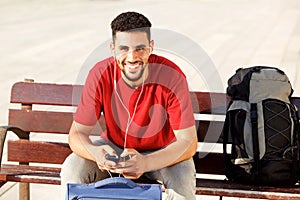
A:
(3, 132)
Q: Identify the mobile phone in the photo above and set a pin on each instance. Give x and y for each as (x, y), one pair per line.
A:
(123, 159)
(113, 158)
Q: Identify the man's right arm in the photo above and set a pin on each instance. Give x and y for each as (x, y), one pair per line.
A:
(81, 144)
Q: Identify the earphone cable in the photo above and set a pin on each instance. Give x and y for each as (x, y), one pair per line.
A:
(130, 119)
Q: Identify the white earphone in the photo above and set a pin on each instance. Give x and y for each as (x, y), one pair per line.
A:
(130, 118)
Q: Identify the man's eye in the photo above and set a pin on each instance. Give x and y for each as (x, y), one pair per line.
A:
(124, 48)
(140, 48)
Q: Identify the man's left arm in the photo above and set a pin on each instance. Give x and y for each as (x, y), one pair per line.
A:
(183, 148)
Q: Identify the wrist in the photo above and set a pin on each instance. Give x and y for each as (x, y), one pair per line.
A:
(147, 163)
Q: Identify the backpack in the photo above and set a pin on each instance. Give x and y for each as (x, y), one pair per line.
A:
(262, 125)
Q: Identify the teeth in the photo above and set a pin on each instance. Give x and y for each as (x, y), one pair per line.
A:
(133, 65)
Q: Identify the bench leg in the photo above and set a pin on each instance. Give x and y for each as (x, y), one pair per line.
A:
(24, 193)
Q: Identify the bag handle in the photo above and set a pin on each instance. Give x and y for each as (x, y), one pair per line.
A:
(258, 68)
(116, 180)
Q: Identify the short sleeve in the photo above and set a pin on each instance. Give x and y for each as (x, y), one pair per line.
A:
(179, 105)
(90, 106)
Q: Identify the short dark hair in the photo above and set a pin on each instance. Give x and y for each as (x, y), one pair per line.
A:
(131, 22)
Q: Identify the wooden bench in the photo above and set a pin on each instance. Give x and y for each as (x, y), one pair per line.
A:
(48, 109)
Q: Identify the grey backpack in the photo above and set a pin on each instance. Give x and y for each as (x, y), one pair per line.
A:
(263, 127)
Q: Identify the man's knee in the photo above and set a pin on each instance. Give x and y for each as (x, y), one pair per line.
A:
(180, 179)
(78, 170)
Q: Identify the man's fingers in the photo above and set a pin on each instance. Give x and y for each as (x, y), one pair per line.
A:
(109, 150)
(107, 165)
(127, 152)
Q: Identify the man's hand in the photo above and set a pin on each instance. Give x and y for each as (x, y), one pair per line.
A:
(100, 157)
(132, 168)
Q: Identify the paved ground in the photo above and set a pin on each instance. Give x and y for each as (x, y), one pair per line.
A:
(51, 41)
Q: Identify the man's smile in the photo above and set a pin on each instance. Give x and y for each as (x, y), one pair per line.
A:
(133, 67)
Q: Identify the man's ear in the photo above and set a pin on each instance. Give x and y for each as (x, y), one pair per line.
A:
(151, 44)
(112, 46)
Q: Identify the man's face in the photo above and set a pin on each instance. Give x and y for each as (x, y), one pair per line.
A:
(132, 51)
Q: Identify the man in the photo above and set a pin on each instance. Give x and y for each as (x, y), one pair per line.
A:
(148, 115)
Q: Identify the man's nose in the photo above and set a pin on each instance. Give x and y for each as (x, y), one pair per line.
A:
(131, 54)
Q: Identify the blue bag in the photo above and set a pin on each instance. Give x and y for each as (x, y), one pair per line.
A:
(114, 188)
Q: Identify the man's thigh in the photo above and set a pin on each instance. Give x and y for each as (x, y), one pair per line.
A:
(179, 178)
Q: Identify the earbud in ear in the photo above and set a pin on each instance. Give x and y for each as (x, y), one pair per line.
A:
(112, 49)
(150, 50)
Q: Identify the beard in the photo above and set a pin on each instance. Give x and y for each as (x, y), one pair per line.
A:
(134, 76)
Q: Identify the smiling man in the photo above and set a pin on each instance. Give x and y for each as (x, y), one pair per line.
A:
(149, 119)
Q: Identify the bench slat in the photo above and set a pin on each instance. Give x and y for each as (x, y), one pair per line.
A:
(41, 121)
(60, 122)
(55, 153)
(47, 94)
(30, 174)
(224, 188)
(209, 102)
(69, 95)
(47, 122)
(39, 152)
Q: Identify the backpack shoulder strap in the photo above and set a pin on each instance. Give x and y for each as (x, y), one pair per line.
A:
(255, 142)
